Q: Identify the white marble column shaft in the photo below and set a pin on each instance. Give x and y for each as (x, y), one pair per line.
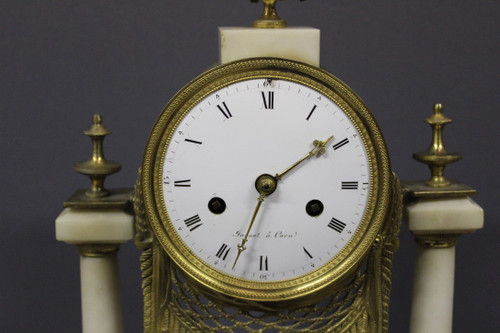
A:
(433, 283)
(436, 224)
(100, 287)
(98, 234)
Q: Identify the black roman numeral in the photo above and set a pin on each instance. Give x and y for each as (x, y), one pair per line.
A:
(310, 113)
(182, 183)
(224, 109)
(307, 253)
(268, 100)
(350, 185)
(223, 251)
(193, 141)
(336, 225)
(193, 222)
(341, 144)
(263, 264)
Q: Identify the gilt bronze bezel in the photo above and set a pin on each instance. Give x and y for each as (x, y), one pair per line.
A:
(347, 260)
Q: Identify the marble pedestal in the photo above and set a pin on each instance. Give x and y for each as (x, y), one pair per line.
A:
(436, 224)
(97, 234)
(300, 44)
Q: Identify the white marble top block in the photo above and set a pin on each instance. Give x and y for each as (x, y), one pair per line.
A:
(452, 215)
(300, 44)
(79, 226)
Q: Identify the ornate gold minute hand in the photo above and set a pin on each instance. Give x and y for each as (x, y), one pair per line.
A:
(319, 148)
(241, 247)
(265, 185)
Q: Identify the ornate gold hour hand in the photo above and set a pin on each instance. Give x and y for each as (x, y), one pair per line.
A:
(265, 185)
(319, 149)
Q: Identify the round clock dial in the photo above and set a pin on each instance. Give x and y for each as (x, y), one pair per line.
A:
(265, 184)
(257, 127)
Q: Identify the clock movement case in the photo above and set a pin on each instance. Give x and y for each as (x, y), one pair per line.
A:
(361, 270)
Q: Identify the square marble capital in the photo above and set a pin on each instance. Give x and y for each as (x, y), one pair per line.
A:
(445, 216)
(300, 44)
(85, 226)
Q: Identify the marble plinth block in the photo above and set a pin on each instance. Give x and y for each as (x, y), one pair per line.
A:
(300, 44)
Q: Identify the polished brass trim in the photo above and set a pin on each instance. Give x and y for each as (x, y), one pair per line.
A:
(419, 189)
(117, 198)
(361, 305)
(269, 18)
(438, 241)
(97, 167)
(97, 250)
(437, 157)
(143, 233)
(340, 267)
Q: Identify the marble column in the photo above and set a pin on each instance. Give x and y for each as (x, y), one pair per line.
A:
(97, 233)
(436, 224)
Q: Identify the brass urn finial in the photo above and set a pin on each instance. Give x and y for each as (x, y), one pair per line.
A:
(437, 157)
(270, 18)
(97, 167)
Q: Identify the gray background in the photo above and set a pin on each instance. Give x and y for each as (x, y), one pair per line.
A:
(62, 61)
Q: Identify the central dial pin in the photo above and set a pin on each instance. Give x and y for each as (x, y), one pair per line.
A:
(266, 184)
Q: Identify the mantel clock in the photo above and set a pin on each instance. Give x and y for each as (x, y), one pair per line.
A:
(266, 203)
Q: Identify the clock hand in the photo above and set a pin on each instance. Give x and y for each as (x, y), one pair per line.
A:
(241, 247)
(319, 149)
(265, 185)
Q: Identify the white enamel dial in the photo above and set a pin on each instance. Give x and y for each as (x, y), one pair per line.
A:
(244, 130)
